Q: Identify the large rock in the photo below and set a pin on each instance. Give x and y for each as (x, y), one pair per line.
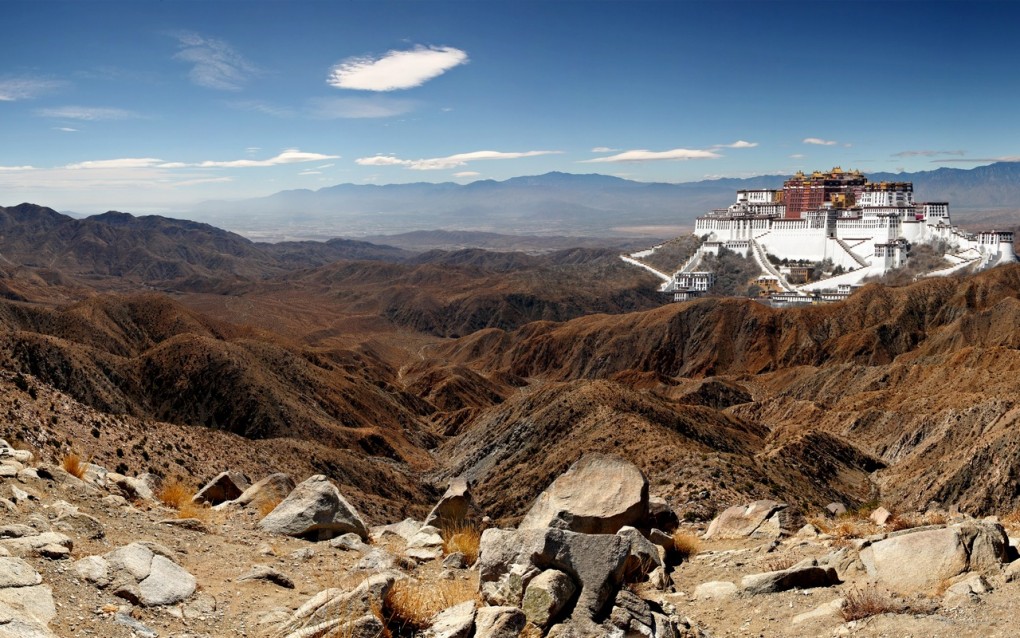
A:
(599, 494)
(922, 560)
(15, 572)
(510, 559)
(330, 612)
(129, 487)
(455, 622)
(137, 574)
(225, 486)
(546, 596)
(453, 507)
(499, 622)
(316, 510)
(806, 575)
(742, 521)
(274, 487)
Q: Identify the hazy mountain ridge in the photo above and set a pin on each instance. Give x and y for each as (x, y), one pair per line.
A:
(156, 249)
(561, 202)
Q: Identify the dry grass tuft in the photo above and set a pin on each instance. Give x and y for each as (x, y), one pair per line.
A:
(175, 493)
(74, 465)
(178, 494)
(465, 539)
(864, 603)
(685, 545)
(410, 605)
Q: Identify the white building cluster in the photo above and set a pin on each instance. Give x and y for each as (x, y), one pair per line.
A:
(864, 228)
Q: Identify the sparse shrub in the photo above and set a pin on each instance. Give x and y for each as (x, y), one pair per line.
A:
(685, 545)
(74, 465)
(864, 603)
(464, 539)
(410, 605)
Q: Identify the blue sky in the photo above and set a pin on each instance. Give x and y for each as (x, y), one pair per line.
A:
(148, 106)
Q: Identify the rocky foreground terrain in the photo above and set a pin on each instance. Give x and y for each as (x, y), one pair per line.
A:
(91, 552)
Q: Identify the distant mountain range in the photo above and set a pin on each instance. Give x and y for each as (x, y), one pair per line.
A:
(554, 203)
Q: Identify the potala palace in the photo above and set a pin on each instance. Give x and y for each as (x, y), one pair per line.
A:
(864, 229)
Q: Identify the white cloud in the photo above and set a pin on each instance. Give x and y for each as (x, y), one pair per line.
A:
(216, 64)
(87, 113)
(16, 168)
(467, 174)
(358, 107)
(251, 150)
(290, 156)
(819, 141)
(441, 163)
(26, 88)
(310, 173)
(330, 165)
(396, 69)
(128, 162)
(797, 156)
(202, 180)
(604, 149)
(641, 155)
(737, 144)
(65, 129)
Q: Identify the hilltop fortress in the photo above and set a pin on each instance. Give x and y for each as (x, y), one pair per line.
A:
(862, 228)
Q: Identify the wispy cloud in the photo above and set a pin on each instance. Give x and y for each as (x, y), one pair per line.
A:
(358, 107)
(65, 129)
(819, 141)
(202, 180)
(395, 69)
(467, 174)
(127, 162)
(737, 144)
(441, 163)
(929, 153)
(13, 89)
(604, 149)
(216, 64)
(290, 156)
(12, 169)
(797, 156)
(641, 155)
(87, 113)
(310, 173)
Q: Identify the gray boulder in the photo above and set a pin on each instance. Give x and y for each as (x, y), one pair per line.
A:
(329, 612)
(129, 487)
(805, 575)
(225, 486)
(922, 560)
(599, 494)
(274, 487)
(315, 509)
(499, 622)
(137, 574)
(455, 622)
(453, 507)
(546, 596)
(510, 559)
(742, 521)
(715, 589)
